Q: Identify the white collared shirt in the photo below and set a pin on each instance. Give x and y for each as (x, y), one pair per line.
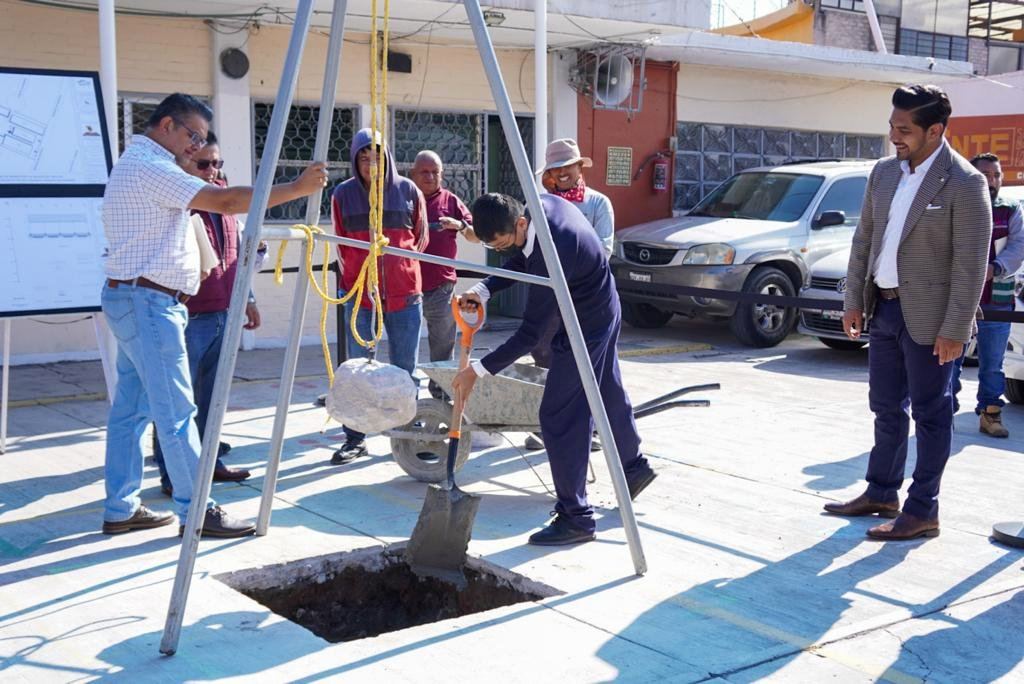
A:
(146, 218)
(481, 290)
(886, 272)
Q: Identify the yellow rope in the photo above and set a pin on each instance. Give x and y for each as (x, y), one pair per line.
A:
(367, 282)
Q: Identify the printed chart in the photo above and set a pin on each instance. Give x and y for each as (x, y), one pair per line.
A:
(50, 131)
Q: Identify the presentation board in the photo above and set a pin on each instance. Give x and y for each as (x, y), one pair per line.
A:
(54, 163)
(50, 253)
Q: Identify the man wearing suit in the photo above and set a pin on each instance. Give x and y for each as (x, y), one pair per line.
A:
(565, 418)
(917, 268)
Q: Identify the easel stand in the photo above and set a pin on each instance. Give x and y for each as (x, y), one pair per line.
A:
(243, 279)
(107, 347)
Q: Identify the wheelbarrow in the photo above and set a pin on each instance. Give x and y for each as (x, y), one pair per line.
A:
(507, 402)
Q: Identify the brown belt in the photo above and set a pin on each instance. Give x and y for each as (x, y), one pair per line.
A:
(889, 292)
(146, 282)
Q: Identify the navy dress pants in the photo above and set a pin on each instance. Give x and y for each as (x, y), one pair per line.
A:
(567, 424)
(903, 374)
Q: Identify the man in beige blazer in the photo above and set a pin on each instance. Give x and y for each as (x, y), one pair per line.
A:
(916, 269)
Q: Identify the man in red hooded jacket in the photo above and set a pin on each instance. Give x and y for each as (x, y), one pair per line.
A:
(401, 285)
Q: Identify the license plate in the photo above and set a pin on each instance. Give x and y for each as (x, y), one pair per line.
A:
(640, 277)
(832, 315)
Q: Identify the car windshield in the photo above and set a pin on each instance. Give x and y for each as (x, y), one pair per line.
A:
(762, 196)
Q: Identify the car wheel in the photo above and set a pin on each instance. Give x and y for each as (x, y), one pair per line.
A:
(764, 325)
(842, 345)
(1014, 391)
(641, 315)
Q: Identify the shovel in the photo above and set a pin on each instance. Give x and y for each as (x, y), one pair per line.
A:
(438, 544)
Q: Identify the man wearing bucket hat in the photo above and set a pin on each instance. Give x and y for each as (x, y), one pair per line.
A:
(562, 175)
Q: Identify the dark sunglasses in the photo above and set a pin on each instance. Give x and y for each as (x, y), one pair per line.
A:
(203, 164)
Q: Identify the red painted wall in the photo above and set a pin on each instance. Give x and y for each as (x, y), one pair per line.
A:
(647, 132)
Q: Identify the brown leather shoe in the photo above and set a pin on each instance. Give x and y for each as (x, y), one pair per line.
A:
(862, 505)
(991, 422)
(142, 519)
(905, 527)
(226, 474)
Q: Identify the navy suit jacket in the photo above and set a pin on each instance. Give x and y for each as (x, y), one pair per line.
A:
(587, 273)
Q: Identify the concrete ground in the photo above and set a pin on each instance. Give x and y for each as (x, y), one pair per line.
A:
(748, 581)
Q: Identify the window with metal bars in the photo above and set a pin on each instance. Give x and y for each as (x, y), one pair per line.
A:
(135, 111)
(297, 152)
(923, 44)
(457, 137)
(707, 154)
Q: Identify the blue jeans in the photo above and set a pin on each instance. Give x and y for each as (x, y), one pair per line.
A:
(203, 337)
(403, 328)
(153, 383)
(992, 339)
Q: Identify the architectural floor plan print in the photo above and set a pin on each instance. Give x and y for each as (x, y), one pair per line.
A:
(50, 130)
(51, 253)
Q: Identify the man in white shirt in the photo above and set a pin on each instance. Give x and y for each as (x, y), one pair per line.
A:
(152, 270)
(917, 267)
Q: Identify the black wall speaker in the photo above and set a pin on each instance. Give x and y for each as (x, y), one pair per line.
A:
(234, 63)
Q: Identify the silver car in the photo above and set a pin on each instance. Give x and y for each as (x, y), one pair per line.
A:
(828, 281)
(758, 232)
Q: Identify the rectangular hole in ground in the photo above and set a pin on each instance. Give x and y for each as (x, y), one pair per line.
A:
(363, 593)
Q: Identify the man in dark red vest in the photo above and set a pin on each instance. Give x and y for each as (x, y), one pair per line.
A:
(1005, 254)
(208, 311)
(447, 217)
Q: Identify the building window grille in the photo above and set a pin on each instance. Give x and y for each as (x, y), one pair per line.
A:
(938, 45)
(297, 153)
(707, 154)
(457, 137)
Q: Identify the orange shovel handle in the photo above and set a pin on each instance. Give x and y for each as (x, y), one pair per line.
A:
(467, 330)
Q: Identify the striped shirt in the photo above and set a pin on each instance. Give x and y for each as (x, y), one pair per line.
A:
(146, 218)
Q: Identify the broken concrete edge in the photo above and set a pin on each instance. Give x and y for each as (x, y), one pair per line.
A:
(370, 558)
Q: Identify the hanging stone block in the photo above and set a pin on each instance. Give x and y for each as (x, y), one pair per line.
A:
(371, 397)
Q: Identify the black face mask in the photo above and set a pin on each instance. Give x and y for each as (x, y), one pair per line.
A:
(512, 250)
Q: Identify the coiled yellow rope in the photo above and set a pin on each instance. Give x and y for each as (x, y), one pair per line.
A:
(367, 283)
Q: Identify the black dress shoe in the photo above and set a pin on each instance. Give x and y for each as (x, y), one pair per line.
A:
(218, 523)
(226, 474)
(142, 519)
(223, 448)
(639, 480)
(560, 532)
(350, 451)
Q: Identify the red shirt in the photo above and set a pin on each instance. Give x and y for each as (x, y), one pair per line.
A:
(442, 242)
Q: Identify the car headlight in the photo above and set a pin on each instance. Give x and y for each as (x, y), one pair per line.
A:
(715, 254)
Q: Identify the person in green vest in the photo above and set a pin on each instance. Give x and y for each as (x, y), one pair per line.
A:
(1006, 253)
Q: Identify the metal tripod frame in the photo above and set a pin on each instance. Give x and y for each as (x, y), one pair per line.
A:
(243, 280)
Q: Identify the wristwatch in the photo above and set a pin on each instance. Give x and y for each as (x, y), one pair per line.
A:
(464, 225)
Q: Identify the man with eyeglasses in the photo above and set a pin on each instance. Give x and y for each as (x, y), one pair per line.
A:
(565, 419)
(152, 272)
(208, 309)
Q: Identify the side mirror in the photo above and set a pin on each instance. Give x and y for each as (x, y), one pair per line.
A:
(829, 218)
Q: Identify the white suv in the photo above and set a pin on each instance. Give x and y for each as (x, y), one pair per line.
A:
(760, 231)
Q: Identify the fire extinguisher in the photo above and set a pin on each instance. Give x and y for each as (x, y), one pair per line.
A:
(659, 176)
